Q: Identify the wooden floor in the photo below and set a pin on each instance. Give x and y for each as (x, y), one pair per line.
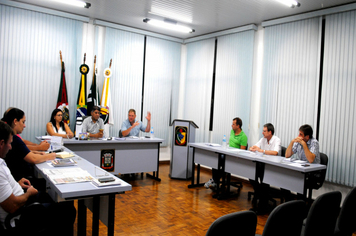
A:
(169, 207)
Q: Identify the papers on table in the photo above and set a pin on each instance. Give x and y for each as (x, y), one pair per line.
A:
(63, 162)
(46, 137)
(213, 144)
(100, 184)
(67, 175)
(63, 155)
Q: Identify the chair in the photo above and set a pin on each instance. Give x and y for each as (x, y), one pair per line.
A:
(237, 223)
(322, 216)
(317, 179)
(285, 219)
(346, 223)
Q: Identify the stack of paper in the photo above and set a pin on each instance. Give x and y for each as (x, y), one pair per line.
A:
(99, 184)
(63, 155)
(64, 162)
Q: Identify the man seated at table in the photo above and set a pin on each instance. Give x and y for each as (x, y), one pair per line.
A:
(13, 198)
(94, 125)
(132, 127)
(238, 139)
(305, 146)
(269, 145)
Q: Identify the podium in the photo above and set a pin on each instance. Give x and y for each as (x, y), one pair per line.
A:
(181, 158)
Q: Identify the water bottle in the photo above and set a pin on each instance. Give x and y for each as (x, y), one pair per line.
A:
(152, 135)
(224, 142)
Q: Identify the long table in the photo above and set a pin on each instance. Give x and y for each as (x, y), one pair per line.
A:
(100, 200)
(132, 155)
(278, 172)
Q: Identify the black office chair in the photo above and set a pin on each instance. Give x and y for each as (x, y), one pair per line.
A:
(322, 216)
(316, 179)
(238, 223)
(346, 223)
(285, 219)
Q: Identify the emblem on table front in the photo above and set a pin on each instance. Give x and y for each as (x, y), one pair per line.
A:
(181, 135)
(107, 159)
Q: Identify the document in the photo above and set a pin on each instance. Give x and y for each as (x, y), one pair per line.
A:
(67, 175)
(63, 155)
(213, 144)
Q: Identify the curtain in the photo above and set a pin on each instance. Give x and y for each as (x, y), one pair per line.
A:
(198, 86)
(126, 51)
(338, 101)
(290, 77)
(30, 67)
(233, 83)
(161, 82)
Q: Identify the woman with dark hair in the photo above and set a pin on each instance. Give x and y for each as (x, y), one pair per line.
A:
(56, 126)
(20, 159)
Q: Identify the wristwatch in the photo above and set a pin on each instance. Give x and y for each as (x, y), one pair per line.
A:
(264, 151)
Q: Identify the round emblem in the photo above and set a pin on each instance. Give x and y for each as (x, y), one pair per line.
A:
(84, 69)
(107, 73)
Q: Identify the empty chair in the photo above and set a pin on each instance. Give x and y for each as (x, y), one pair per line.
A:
(316, 180)
(346, 223)
(321, 219)
(238, 223)
(285, 219)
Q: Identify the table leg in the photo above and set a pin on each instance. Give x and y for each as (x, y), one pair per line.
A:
(82, 218)
(111, 215)
(96, 211)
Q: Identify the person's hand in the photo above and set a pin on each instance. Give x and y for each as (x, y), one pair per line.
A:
(100, 135)
(32, 191)
(135, 124)
(51, 156)
(24, 183)
(44, 145)
(254, 148)
(298, 140)
(148, 117)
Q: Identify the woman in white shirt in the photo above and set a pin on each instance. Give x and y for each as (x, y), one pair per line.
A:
(56, 126)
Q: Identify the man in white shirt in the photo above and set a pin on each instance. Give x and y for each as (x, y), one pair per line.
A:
(94, 125)
(13, 197)
(268, 145)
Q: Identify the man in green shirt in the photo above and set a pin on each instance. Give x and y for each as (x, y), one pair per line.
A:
(238, 139)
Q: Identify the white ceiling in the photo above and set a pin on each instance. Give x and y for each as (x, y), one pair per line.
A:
(205, 16)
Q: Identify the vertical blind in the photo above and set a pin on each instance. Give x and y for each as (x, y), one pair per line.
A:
(338, 101)
(162, 71)
(290, 77)
(30, 66)
(233, 82)
(198, 86)
(126, 51)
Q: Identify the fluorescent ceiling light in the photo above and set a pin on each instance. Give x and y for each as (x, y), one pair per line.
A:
(289, 3)
(169, 24)
(74, 3)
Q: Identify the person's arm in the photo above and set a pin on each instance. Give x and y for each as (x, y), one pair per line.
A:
(13, 203)
(308, 154)
(68, 131)
(289, 150)
(43, 146)
(243, 147)
(148, 117)
(36, 158)
(128, 130)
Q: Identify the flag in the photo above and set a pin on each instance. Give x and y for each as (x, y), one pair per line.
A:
(62, 101)
(105, 104)
(93, 97)
(82, 94)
